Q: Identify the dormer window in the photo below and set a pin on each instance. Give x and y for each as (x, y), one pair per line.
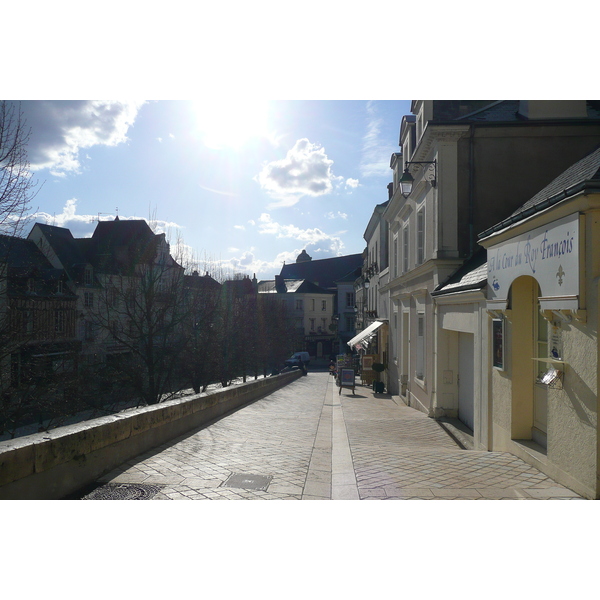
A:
(87, 276)
(60, 288)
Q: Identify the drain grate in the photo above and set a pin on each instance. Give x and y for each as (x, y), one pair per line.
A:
(248, 481)
(124, 491)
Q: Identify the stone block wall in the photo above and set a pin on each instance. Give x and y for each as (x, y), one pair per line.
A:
(51, 465)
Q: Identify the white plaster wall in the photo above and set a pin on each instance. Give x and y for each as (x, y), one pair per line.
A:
(458, 318)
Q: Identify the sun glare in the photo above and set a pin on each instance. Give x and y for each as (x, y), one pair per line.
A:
(231, 123)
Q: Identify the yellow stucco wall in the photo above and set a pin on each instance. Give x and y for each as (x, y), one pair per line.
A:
(573, 450)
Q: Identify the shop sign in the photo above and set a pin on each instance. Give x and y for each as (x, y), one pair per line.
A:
(550, 254)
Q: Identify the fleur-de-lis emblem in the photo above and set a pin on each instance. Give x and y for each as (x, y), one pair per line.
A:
(560, 274)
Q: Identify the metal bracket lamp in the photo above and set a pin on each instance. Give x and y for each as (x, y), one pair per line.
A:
(407, 180)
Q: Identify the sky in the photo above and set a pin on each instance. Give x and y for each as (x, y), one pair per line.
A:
(238, 185)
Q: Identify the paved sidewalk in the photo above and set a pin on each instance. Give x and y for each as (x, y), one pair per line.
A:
(308, 442)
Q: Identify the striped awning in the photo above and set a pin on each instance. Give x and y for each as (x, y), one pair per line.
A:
(364, 337)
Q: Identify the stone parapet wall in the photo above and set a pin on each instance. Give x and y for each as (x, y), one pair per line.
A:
(51, 465)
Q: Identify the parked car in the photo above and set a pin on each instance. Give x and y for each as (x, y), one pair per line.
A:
(297, 359)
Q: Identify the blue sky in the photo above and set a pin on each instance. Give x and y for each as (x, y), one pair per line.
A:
(243, 184)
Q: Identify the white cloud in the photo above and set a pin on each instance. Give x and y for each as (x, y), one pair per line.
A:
(315, 238)
(240, 227)
(376, 155)
(338, 215)
(60, 129)
(305, 171)
(353, 183)
(220, 192)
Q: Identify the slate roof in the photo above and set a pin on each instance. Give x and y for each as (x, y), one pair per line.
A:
(237, 287)
(350, 277)
(583, 175)
(66, 248)
(22, 254)
(293, 286)
(324, 272)
(472, 275)
(25, 260)
(119, 246)
(501, 110)
(201, 282)
(507, 110)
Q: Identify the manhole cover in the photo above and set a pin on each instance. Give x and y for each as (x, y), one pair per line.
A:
(124, 491)
(248, 481)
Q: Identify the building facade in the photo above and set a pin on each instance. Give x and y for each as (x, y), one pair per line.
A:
(543, 300)
(471, 165)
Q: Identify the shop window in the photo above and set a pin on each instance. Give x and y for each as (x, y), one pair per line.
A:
(542, 345)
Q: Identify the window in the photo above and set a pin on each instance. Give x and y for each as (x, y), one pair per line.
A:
(396, 257)
(350, 322)
(87, 276)
(323, 304)
(405, 249)
(59, 287)
(421, 236)
(313, 304)
(298, 304)
(59, 321)
(420, 366)
(312, 324)
(324, 324)
(27, 321)
(350, 300)
(113, 298)
(88, 299)
(542, 344)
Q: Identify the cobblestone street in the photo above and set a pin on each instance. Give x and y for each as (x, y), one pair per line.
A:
(307, 442)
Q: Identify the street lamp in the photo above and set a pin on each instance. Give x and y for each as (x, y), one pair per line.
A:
(407, 180)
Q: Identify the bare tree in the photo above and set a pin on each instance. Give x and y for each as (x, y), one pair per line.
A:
(17, 187)
(143, 315)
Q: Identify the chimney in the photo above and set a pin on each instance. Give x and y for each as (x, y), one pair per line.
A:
(280, 286)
